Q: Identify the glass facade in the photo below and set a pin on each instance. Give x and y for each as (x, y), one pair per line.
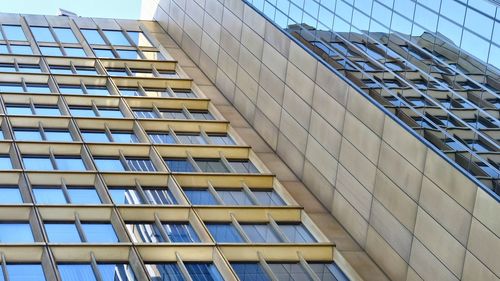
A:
(434, 65)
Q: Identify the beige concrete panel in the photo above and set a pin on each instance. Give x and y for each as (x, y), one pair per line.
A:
(230, 44)
(297, 107)
(253, 139)
(290, 155)
(244, 105)
(227, 64)
(445, 211)
(198, 77)
(215, 9)
(405, 143)
(474, 270)
(272, 84)
(214, 95)
(365, 111)
(277, 166)
(361, 137)
(266, 129)
(249, 62)
(252, 41)
(235, 6)
(427, 266)
(300, 83)
(191, 48)
(210, 47)
(364, 266)
(195, 12)
(224, 84)
(269, 107)
(175, 31)
(322, 160)
(332, 84)
(357, 164)
(212, 27)
(232, 23)
(293, 131)
(354, 192)
(440, 242)
(177, 14)
(450, 180)
(303, 60)
(395, 200)
(246, 84)
(252, 19)
(181, 3)
(317, 184)
(391, 230)
(325, 134)
(165, 40)
(486, 210)
(182, 59)
(412, 275)
(277, 39)
(400, 171)
(382, 253)
(485, 245)
(326, 106)
(274, 61)
(350, 219)
(208, 66)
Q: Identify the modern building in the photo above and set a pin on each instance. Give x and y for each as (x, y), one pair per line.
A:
(387, 111)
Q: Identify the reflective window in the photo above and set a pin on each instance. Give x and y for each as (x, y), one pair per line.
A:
(60, 69)
(11, 87)
(164, 271)
(15, 109)
(297, 233)
(128, 54)
(42, 34)
(126, 196)
(114, 272)
(99, 233)
(74, 52)
(35, 68)
(160, 138)
(14, 32)
(173, 114)
(7, 67)
(97, 90)
(179, 165)
(104, 53)
(200, 197)
(83, 195)
(203, 272)
(106, 272)
(116, 37)
(268, 198)
(243, 166)
(124, 136)
(16, 233)
(145, 233)
(5, 163)
(128, 91)
(94, 136)
(117, 71)
(109, 164)
(201, 115)
(181, 232)
(224, 233)
(328, 272)
(211, 166)
(70, 163)
(159, 196)
(37, 88)
(73, 163)
(145, 113)
(74, 272)
(10, 195)
(21, 49)
(65, 35)
(86, 70)
(23, 134)
(92, 36)
(139, 38)
(191, 138)
(289, 271)
(73, 195)
(49, 110)
(250, 271)
(110, 112)
(261, 233)
(24, 272)
(234, 197)
(50, 51)
(221, 139)
(156, 92)
(140, 164)
(62, 233)
(153, 55)
(58, 135)
(142, 72)
(82, 111)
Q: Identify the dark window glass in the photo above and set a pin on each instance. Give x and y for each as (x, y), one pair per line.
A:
(181, 232)
(297, 233)
(164, 271)
(161, 138)
(224, 233)
(202, 115)
(200, 197)
(76, 272)
(179, 165)
(250, 271)
(243, 166)
(203, 272)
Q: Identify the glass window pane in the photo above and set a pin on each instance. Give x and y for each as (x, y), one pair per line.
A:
(27, 135)
(5, 163)
(165, 271)
(191, 138)
(261, 233)
(19, 109)
(21, 49)
(224, 233)
(211, 165)
(234, 197)
(47, 110)
(125, 196)
(10, 195)
(11, 87)
(82, 112)
(250, 271)
(203, 272)
(125, 137)
(128, 54)
(153, 55)
(145, 233)
(92, 36)
(60, 69)
(99, 233)
(159, 196)
(179, 165)
(116, 37)
(161, 138)
(76, 272)
(110, 112)
(329, 271)
(139, 38)
(83, 196)
(221, 139)
(104, 53)
(62, 233)
(37, 163)
(15, 233)
(24, 272)
(55, 135)
(86, 70)
(97, 90)
(74, 52)
(7, 67)
(289, 272)
(109, 164)
(95, 136)
(181, 232)
(243, 166)
(42, 34)
(200, 197)
(38, 88)
(141, 164)
(297, 233)
(268, 198)
(70, 163)
(45, 195)
(114, 272)
(51, 51)
(65, 35)
(14, 32)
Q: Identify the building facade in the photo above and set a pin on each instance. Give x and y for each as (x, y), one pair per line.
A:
(116, 165)
(387, 111)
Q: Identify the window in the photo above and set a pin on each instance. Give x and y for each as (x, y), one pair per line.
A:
(200, 197)
(51, 51)
(289, 271)
(105, 272)
(58, 135)
(69, 163)
(211, 165)
(37, 88)
(179, 165)
(179, 92)
(250, 272)
(142, 72)
(34, 68)
(116, 165)
(65, 35)
(10, 195)
(145, 113)
(69, 195)
(109, 164)
(69, 232)
(71, 89)
(42, 34)
(110, 112)
(191, 138)
(75, 52)
(173, 114)
(328, 271)
(99, 233)
(202, 115)
(116, 37)
(224, 233)
(297, 233)
(87, 111)
(7, 67)
(150, 233)
(14, 32)
(141, 164)
(234, 197)
(161, 138)
(16, 232)
(126, 196)
(130, 195)
(62, 233)
(164, 271)
(196, 271)
(5, 163)
(66, 163)
(18, 109)
(127, 91)
(11, 87)
(139, 38)
(22, 272)
(49, 110)
(145, 233)
(156, 92)
(243, 166)
(104, 53)
(97, 90)
(117, 71)
(180, 232)
(203, 271)
(76, 272)
(221, 139)
(21, 49)
(261, 233)
(159, 196)
(268, 198)
(94, 136)
(112, 272)
(60, 69)
(86, 70)
(128, 54)
(24, 134)
(153, 55)
(93, 37)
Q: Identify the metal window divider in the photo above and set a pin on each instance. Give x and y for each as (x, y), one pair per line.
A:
(95, 108)
(42, 131)
(108, 132)
(250, 194)
(205, 136)
(72, 67)
(16, 65)
(123, 160)
(140, 90)
(23, 84)
(214, 193)
(32, 106)
(157, 111)
(95, 268)
(182, 267)
(275, 227)
(127, 69)
(4, 267)
(173, 134)
(193, 162)
(52, 158)
(65, 191)
(226, 163)
(155, 71)
(186, 112)
(169, 91)
(305, 265)
(141, 192)
(265, 266)
(84, 88)
(159, 225)
(79, 228)
(127, 36)
(239, 228)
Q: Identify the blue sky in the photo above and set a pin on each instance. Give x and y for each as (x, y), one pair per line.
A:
(127, 9)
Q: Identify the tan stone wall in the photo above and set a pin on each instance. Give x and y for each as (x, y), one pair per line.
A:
(415, 215)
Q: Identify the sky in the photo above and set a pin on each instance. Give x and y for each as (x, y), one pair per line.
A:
(125, 9)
